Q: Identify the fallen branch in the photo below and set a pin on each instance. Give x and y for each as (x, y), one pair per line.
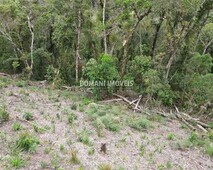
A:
(112, 100)
(187, 119)
(136, 106)
(4, 74)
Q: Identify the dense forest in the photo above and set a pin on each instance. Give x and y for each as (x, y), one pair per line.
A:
(106, 84)
(164, 46)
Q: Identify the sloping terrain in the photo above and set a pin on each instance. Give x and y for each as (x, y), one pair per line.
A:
(70, 129)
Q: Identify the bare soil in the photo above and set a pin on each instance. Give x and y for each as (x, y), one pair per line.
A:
(127, 149)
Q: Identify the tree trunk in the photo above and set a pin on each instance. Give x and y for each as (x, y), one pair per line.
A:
(105, 35)
(78, 47)
(30, 25)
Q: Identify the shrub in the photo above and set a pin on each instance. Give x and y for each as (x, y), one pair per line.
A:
(170, 136)
(105, 167)
(27, 142)
(74, 158)
(16, 126)
(4, 115)
(149, 81)
(209, 150)
(84, 137)
(71, 117)
(104, 69)
(140, 124)
(16, 162)
(111, 123)
(28, 116)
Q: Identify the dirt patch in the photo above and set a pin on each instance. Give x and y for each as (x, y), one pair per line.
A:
(126, 149)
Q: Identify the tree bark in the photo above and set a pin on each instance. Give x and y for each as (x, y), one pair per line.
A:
(158, 26)
(78, 47)
(127, 41)
(30, 26)
(105, 35)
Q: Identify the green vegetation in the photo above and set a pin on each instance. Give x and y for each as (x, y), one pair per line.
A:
(16, 162)
(27, 142)
(140, 123)
(105, 167)
(74, 158)
(170, 136)
(84, 137)
(16, 126)
(71, 117)
(28, 116)
(4, 115)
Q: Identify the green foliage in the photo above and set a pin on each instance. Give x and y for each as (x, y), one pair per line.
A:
(4, 115)
(148, 80)
(84, 137)
(71, 117)
(16, 126)
(53, 75)
(102, 70)
(140, 123)
(200, 64)
(42, 59)
(28, 116)
(171, 136)
(27, 142)
(4, 82)
(209, 150)
(197, 80)
(111, 123)
(16, 162)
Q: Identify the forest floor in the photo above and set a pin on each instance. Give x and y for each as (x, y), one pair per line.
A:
(71, 128)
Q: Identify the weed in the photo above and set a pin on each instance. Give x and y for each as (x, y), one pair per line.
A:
(91, 151)
(44, 165)
(74, 158)
(84, 137)
(99, 126)
(142, 150)
(62, 148)
(16, 126)
(21, 83)
(27, 142)
(111, 123)
(4, 115)
(140, 124)
(74, 106)
(209, 150)
(105, 167)
(196, 140)
(16, 162)
(55, 161)
(170, 136)
(71, 117)
(28, 116)
(81, 107)
(47, 150)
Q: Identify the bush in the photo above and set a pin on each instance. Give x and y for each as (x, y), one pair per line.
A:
(16, 126)
(28, 116)
(4, 115)
(27, 142)
(198, 80)
(149, 81)
(140, 124)
(111, 123)
(71, 117)
(102, 70)
(16, 162)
